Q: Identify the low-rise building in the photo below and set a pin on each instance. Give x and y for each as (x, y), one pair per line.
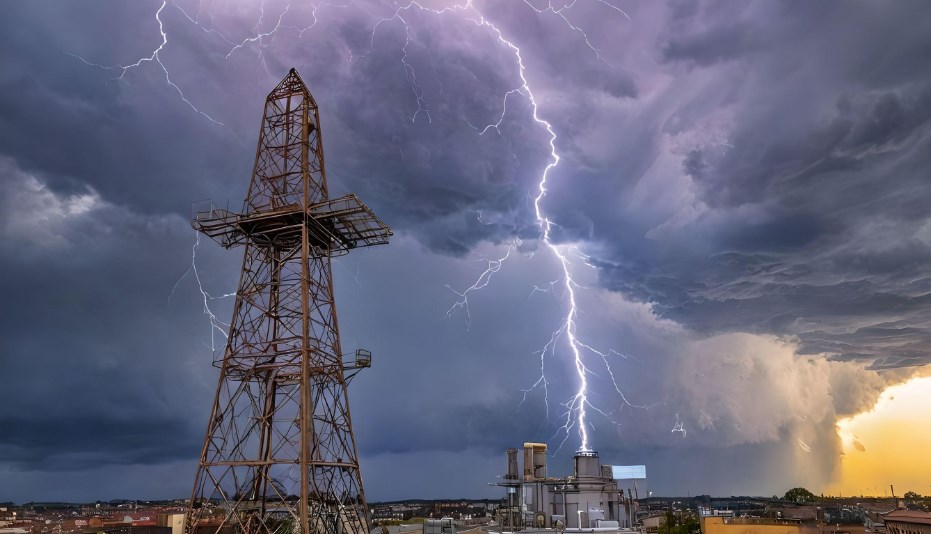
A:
(903, 521)
(762, 525)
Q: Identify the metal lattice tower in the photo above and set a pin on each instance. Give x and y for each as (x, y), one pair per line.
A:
(280, 455)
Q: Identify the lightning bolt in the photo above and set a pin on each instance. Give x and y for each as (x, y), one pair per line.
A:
(258, 37)
(480, 283)
(154, 57)
(576, 414)
(216, 325)
(561, 13)
(578, 405)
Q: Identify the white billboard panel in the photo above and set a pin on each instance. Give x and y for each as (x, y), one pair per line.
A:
(627, 472)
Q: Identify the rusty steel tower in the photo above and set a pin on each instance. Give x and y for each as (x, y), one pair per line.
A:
(280, 456)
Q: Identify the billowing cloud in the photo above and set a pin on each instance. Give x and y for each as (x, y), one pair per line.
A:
(747, 182)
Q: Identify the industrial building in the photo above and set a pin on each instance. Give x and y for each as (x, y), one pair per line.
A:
(588, 499)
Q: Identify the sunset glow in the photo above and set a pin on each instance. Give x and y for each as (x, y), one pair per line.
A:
(888, 444)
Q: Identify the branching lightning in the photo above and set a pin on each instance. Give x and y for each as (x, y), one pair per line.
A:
(583, 354)
(561, 13)
(154, 57)
(480, 283)
(578, 405)
(258, 37)
(216, 325)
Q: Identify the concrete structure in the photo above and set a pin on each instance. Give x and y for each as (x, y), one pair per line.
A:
(174, 521)
(652, 523)
(534, 461)
(439, 526)
(908, 522)
(587, 499)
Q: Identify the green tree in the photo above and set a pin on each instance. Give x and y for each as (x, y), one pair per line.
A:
(912, 496)
(799, 495)
(679, 524)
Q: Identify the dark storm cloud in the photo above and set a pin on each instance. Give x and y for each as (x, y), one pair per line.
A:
(810, 182)
(95, 358)
(856, 137)
(99, 175)
(87, 441)
(437, 176)
(744, 168)
(76, 126)
(713, 45)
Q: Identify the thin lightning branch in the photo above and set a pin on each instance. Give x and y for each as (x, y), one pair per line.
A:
(542, 382)
(353, 275)
(259, 36)
(480, 283)
(417, 90)
(412, 76)
(548, 289)
(678, 426)
(561, 14)
(409, 71)
(802, 445)
(496, 125)
(586, 259)
(196, 21)
(216, 325)
(313, 13)
(153, 58)
(615, 8)
(604, 358)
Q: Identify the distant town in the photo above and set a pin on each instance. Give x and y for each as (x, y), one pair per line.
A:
(796, 512)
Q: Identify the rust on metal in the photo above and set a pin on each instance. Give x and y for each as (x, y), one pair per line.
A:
(279, 456)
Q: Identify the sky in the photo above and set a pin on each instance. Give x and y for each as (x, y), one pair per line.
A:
(740, 191)
(889, 437)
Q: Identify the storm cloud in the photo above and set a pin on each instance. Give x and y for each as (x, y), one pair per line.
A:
(743, 188)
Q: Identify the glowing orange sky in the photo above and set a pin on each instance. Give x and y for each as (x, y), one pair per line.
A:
(889, 444)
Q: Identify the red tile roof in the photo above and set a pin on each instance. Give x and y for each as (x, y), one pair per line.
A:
(909, 516)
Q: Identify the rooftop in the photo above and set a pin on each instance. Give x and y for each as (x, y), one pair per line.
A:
(909, 516)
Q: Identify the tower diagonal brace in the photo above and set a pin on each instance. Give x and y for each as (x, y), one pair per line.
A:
(280, 455)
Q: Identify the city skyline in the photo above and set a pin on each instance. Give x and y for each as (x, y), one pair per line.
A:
(713, 213)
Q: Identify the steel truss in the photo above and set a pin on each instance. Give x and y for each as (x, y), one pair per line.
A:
(280, 456)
